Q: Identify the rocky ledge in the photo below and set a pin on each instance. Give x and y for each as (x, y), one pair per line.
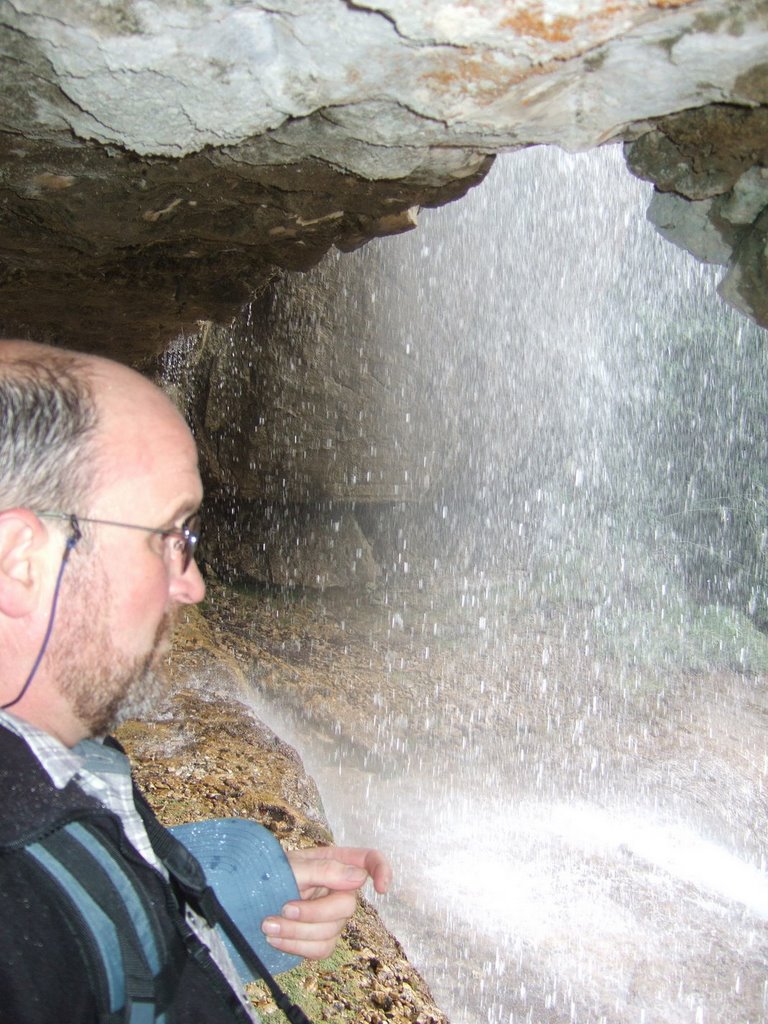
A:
(208, 755)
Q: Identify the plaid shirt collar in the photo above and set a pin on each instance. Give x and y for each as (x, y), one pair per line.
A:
(62, 763)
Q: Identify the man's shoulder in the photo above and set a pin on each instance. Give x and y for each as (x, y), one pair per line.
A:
(31, 805)
(17, 764)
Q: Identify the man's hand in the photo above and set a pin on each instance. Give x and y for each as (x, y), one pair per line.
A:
(328, 878)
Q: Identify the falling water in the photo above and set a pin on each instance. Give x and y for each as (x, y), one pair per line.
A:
(566, 757)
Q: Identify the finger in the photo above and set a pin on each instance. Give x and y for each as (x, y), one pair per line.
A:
(373, 862)
(310, 928)
(309, 950)
(301, 931)
(315, 876)
(333, 907)
(380, 870)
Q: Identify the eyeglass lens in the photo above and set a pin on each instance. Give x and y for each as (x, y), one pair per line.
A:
(190, 531)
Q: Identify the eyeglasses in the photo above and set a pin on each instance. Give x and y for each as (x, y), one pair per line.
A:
(183, 540)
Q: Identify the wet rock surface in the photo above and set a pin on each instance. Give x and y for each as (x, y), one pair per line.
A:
(713, 206)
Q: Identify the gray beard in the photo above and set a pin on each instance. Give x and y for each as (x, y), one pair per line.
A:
(143, 699)
(140, 690)
(106, 688)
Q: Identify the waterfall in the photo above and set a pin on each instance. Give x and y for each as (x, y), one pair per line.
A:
(565, 753)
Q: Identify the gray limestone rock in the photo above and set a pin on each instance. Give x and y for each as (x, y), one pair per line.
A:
(162, 161)
(744, 284)
(748, 197)
(688, 224)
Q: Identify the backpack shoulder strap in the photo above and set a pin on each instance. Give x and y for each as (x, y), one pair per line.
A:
(93, 931)
(97, 887)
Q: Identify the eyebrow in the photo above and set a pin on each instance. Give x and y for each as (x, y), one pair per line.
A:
(184, 511)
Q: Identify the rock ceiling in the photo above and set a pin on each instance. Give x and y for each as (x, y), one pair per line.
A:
(163, 160)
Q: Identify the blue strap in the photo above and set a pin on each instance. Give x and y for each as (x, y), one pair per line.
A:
(125, 888)
(102, 929)
(101, 887)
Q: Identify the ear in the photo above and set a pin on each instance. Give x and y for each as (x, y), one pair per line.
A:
(23, 561)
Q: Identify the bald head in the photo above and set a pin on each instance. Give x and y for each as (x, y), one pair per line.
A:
(134, 416)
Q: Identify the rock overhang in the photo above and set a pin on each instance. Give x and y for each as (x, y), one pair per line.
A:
(161, 162)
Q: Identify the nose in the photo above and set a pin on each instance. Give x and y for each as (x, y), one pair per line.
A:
(187, 587)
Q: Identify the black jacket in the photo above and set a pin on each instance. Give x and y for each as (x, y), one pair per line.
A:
(44, 968)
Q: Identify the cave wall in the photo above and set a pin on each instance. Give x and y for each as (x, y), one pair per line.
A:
(163, 161)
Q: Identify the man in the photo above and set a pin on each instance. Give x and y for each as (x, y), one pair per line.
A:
(99, 493)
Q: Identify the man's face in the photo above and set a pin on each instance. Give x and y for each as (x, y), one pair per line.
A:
(121, 590)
